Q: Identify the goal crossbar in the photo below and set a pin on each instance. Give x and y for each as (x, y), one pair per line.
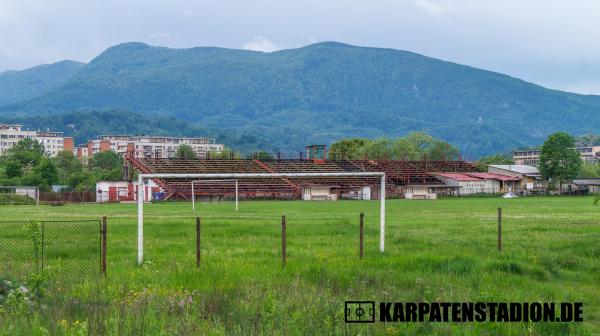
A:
(140, 197)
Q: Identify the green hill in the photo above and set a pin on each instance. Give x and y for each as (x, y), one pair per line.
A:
(30, 83)
(321, 93)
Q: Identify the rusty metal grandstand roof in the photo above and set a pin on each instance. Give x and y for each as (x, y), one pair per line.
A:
(398, 173)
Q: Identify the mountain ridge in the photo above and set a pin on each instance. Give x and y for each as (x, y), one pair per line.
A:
(18, 85)
(321, 93)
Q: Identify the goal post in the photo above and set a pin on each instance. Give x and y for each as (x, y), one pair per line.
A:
(142, 177)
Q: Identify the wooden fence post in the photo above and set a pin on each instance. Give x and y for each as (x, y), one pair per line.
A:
(198, 242)
(103, 249)
(500, 229)
(283, 240)
(361, 246)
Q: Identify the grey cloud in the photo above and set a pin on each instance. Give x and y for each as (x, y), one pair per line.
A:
(506, 36)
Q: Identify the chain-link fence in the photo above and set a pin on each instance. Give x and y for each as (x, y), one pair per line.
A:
(63, 249)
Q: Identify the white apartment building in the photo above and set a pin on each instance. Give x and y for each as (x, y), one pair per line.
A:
(150, 146)
(531, 157)
(53, 142)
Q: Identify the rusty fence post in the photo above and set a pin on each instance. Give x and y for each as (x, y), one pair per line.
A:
(283, 241)
(500, 229)
(198, 225)
(361, 239)
(103, 247)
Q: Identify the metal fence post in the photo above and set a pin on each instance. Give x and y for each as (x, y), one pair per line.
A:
(283, 241)
(103, 247)
(198, 242)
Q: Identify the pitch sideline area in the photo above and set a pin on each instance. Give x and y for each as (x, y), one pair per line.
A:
(443, 250)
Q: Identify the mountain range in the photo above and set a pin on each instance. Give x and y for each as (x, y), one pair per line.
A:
(287, 99)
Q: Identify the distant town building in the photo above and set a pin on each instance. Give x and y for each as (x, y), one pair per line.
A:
(53, 142)
(531, 157)
(530, 178)
(123, 191)
(471, 183)
(582, 186)
(148, 147)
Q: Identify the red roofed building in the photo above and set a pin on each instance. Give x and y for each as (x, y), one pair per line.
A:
(470, 183)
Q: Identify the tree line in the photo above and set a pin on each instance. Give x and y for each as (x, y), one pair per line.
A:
(414, 146)
(27, 164)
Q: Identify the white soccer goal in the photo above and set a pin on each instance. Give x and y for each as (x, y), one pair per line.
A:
(140, 196)
(200, 182)
(31, 192)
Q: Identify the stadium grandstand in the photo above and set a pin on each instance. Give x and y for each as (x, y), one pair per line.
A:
(402, 177)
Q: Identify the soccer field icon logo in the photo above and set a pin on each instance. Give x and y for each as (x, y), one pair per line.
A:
(359, 311)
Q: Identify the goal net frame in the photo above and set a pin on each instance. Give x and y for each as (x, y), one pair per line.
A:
(142, 177)
(14, 188)
(236, 192)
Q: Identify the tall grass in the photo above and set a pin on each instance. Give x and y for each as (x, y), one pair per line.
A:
(442, 250)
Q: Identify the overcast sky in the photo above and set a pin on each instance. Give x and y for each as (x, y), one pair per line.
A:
(549, 42)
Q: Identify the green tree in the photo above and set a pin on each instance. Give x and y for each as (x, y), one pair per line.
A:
(106, 165)
(106, 160)
(226, 153)
(185, 152)
(441, 151)
(27, 152)
(559, 161)
(67, 165)
(28, 145)
(414, 146)
(420, 141)
(13, 168)
(47, 173)
(349, 149)
(380, 149)
(404, 149)
(589, 170)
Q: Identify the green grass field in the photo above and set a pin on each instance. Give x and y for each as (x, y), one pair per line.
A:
(444, 250)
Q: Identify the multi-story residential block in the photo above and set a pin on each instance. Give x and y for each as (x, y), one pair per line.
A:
(531, 157)
(149, 146)
(590, 154)
(53, 142)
